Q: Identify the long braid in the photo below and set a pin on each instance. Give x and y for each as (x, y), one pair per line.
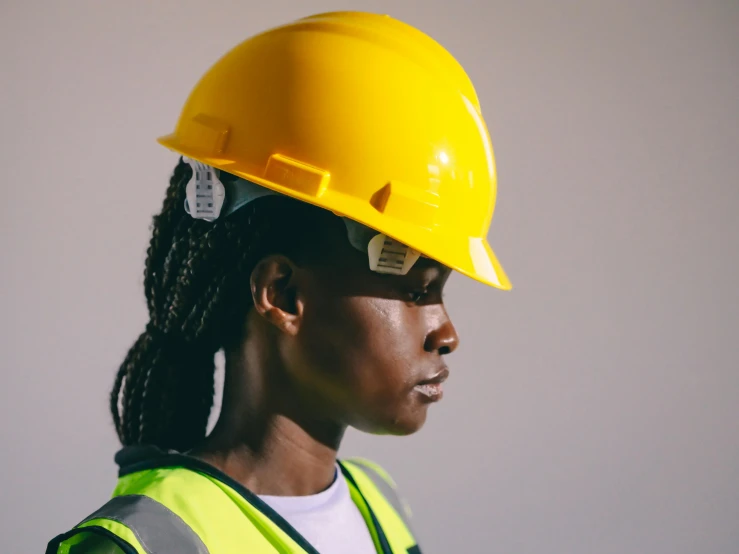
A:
(162, 229)
(196, 285)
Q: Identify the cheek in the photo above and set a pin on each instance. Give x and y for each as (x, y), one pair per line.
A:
(362, 351)
(390, 344)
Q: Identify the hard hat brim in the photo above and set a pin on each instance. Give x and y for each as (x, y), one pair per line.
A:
(469, 255)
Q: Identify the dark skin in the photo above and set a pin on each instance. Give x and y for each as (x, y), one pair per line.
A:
(328, 344)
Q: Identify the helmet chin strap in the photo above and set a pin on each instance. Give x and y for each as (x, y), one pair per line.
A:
(212, 194)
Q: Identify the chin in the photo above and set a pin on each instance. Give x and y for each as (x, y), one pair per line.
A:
(401, 424)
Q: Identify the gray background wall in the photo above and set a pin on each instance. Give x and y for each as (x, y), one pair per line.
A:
(593, 409)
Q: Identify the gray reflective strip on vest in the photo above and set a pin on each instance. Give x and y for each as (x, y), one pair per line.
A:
(157, 528)
(389, 492)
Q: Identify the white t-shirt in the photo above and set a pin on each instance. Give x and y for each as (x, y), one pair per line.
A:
(329, 520)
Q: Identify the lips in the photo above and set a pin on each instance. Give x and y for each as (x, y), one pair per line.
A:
(430, 389)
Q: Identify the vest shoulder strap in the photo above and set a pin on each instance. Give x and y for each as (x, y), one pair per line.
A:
(156, 527)
(90, 539)
(386, 486)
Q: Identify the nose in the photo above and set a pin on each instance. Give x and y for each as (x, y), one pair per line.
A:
(443, 339)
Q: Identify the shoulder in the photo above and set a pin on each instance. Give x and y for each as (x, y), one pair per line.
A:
(141, 505)
(94, 544)
(93, 539)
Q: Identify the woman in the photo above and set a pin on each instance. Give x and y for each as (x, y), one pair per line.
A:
(334, 172)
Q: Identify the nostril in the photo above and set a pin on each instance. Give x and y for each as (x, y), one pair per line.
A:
(444, 350)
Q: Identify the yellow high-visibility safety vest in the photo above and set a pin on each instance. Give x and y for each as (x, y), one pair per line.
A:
(167, 502)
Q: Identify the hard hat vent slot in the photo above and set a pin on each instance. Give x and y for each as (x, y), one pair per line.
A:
(296, 175)
(401, 201)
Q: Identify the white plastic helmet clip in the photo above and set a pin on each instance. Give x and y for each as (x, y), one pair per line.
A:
(390, 256)
(205, 192)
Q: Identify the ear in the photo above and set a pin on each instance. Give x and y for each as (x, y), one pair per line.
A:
(275, 295)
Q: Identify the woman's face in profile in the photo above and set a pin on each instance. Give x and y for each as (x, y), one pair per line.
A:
(369, 351)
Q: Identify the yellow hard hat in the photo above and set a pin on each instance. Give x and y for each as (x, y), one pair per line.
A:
(364, 116)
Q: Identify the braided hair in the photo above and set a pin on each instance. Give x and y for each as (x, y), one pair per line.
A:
(197, 291)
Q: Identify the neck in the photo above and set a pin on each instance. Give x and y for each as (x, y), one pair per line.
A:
(263, 438)
(286, 460)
